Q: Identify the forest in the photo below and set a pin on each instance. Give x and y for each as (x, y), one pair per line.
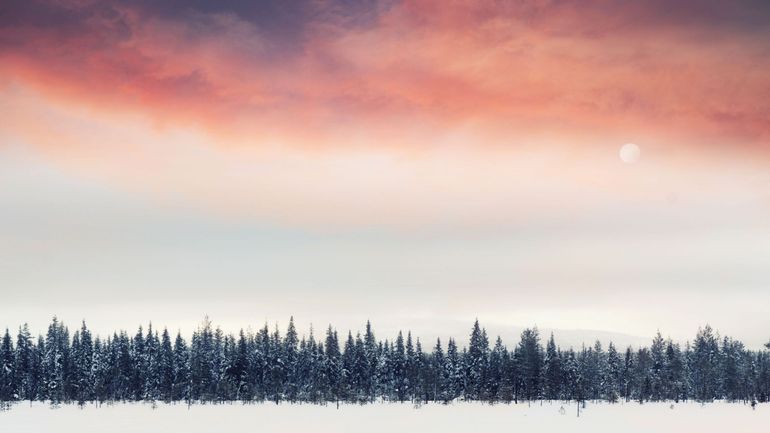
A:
(267, 366)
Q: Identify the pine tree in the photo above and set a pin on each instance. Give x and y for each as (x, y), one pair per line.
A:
(55, 363)
(422, 366)
(123, 367)
(138, 366)
(370, 353)
(398, 368)
(675, 373)
(217, 391)
(552, 371)
(26, 377)
(495, 371)
(333, 366)
(732, 368)
(152, 377)
(454, 372)
(573, 379)
(530, 361)
(705, 365)
(643, 374)
(101, 369)
(439, 379)
(349, 376)
(476, 362)
(182, 386)
(411, 368)
(239, 369)
(290, 361)
(658, 383)
(166, 368)
(613, 375)
(7, 373)
(628, 381)
(83, 352)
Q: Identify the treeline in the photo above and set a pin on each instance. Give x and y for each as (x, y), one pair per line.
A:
(267, 366)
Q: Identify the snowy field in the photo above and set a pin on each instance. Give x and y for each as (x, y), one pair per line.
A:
(459, 417)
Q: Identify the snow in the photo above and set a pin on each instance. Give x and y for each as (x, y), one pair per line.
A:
(387, 417)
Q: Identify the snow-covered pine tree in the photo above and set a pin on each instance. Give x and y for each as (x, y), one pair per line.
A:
(152, 376)
(530, 362)
(123, 366)
(731, 369)
(495, 371)
(600, 364)
(398, 368)
(371, 354)
(643, 374)
(138, 366)
(290, 342)
(675, 373)
(361, 370)
(55, 362)
(239, 369)
(166, 367)
(101, 370)
(317, 370)
(705, 365)
(552, 371)
(217, 366)
(260, 372)
(507, 377)
(422, 366)
(25, 377)
(82, 357)
(454, 372)
(613, 375)
(7, 373)
(302, 372)
(438, 379)
(573, 381)
(181, 388)
(411, 371)
(476, 362)
(658, 383)
(333, 366)
(763, 376)
(628, 381)
(349, 386)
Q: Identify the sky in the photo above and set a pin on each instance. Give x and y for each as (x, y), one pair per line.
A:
(418, 163)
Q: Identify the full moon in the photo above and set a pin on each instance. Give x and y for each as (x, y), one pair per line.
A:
(629, 153)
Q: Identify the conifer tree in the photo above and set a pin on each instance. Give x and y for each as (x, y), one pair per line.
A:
(166, 368)
(476, 362)
(454, 372)
(7, 373)
(83, 352)
(55, 362)
(26, 376)
(705, 365)
(613, 375)
(182, 385)
(495, 371)
(332, 366)
(552, 371)
(439, 378)
(658, 383)
(530, 361)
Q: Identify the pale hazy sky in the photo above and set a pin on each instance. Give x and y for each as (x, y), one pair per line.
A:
(410, 163)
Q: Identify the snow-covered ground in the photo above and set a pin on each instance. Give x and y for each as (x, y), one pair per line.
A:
(372, 418)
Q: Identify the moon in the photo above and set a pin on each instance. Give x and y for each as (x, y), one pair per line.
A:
(629, 153)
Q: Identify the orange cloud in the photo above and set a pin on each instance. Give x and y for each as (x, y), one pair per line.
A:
(398, 75)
